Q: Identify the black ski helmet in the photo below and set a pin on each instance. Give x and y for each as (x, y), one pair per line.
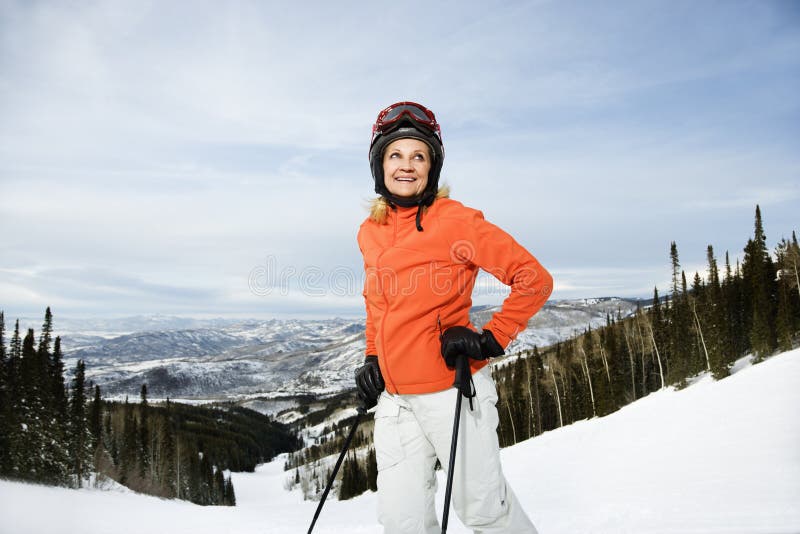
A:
(401, 121)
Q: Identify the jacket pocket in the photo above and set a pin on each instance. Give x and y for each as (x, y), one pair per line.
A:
(388, 444)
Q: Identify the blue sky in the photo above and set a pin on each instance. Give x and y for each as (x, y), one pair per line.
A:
(210, 159)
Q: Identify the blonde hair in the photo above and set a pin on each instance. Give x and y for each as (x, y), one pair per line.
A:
(379, 207)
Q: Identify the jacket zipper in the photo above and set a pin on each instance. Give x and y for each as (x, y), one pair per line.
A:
(387, 378)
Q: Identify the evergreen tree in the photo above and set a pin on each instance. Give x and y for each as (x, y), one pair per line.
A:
(128, 447)
(793, 263)
(695, 357)
(680, 350)
(714, 316)
(13, 403)
(168, 458)
(30, 413)
(5, 399)
(518, 398)
(353, 479)
(80, 440)
(372, 470)
(2, 337)
(218, 491)
(206, 479)
(143, 451)
(110, 443)
(38, 429)
(96, 418)
(759, 277)
(193, 478)
(537, 375)
(47, 333)
(230, 495)
(735, 310)
(16, 343)
(618, 363)
(676, 268)
(58, 394)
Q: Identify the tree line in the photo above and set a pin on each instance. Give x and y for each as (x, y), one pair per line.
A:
(702, 326)
(54, 434)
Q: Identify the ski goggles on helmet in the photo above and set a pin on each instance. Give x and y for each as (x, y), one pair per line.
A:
(418, 114)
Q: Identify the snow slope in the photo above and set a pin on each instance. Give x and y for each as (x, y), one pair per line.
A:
(717, 457)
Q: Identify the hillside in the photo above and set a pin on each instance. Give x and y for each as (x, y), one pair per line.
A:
(716, 457)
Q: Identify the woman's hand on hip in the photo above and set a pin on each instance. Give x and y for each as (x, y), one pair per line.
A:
(458, 340)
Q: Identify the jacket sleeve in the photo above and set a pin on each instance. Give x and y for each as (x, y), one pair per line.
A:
(497, 253)
(369, 331)
(371, 349)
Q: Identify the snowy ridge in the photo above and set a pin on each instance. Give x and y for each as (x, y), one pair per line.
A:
(716, 457)
(561, 319)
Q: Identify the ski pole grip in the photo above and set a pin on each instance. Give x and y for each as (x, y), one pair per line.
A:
(463, 382)
(462, 372)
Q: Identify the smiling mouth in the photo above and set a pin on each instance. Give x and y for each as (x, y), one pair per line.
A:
(406, 179)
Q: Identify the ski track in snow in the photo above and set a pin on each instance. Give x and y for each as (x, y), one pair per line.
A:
(717, 457)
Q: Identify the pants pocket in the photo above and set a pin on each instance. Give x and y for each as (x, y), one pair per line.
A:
(388, 444)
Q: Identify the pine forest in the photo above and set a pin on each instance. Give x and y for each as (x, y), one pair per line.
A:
(63, 434)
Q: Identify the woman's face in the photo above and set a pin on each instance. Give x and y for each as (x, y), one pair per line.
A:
(406, 163)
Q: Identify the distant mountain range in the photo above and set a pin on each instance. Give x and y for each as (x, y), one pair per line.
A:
(225, 358)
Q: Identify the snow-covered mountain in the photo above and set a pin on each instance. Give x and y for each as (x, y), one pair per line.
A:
(246, 357)
(716, 457)
(224, 358)
(561, 319)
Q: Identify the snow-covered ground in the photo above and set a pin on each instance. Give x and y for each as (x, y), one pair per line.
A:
(717, 457)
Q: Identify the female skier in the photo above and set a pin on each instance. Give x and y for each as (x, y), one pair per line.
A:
(422, 252)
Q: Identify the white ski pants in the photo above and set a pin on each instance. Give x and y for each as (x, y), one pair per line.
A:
(412, 431)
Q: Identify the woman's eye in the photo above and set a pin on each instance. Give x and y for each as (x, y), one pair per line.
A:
(419, 157)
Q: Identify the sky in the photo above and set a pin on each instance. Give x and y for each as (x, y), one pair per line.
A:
(210, 159)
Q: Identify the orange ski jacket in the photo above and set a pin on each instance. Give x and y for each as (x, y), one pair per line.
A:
(417, 284)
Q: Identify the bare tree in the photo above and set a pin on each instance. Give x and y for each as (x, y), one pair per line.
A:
(597, 341)
(638, 322)
(585, 367)
(531, 423)
(552, 363)
(693, 302)
(649, 325)
(627, 331)
(511, 418)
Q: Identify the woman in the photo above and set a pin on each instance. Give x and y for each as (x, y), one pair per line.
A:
(422, 252)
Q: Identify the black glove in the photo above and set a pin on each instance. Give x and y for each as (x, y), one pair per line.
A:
(458, 340)
(369, 382)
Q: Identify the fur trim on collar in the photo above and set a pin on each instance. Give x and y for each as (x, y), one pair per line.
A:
(379, 208)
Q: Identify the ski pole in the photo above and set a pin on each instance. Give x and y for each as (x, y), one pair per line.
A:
(361, 411)
(462, 374)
